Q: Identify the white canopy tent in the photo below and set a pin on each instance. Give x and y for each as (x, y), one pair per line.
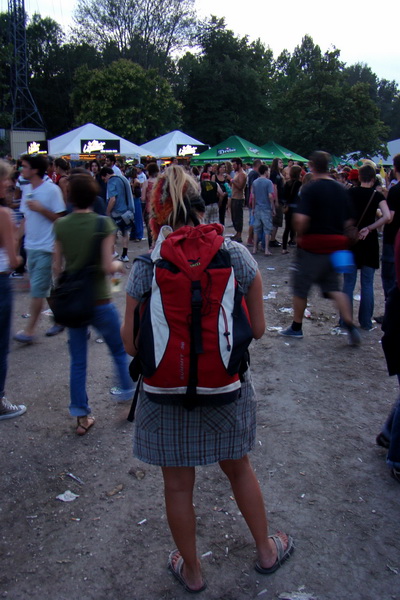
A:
(393, 148)
(95, 139)
(165, 145)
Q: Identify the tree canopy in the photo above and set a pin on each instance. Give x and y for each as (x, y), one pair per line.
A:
(125, 98)
(146, 31)
(141, 71)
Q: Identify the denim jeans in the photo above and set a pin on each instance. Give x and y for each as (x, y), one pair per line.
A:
(366, 308)
(106, 321)
(5, 326)
(388, 272)
(137, 229)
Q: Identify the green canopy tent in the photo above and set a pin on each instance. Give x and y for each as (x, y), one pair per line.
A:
(339, 160)
(233, 147)
(280, 152)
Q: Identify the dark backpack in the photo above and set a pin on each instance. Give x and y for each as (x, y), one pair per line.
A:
(194, 326)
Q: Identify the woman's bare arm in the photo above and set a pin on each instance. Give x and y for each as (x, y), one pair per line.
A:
(127, 325)
(255, 305)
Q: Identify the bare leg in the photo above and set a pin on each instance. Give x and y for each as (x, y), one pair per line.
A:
(246, 490)
(299, 306)
(255, 242)
(267, 238)
(178, 491)
(36, 307)
(273, 234)
(251, 235)
(125, 241)
(343, 305)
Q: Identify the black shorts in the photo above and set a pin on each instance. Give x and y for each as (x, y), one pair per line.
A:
(309, 269)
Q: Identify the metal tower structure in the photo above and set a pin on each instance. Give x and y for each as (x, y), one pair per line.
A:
(25, 113)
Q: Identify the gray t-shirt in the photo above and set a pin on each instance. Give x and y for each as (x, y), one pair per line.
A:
(261, 188)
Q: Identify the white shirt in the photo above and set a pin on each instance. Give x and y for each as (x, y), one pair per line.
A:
(39, 233)
(116, 170)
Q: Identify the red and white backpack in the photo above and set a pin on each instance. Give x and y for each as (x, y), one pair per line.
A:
(194, 326)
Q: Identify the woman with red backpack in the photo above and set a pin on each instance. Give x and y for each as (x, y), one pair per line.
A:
(178, 427)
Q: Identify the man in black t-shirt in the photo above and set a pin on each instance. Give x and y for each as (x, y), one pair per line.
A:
(322, 215)
(390, 230)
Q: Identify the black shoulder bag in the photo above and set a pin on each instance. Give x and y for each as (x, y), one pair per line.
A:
(72, 299)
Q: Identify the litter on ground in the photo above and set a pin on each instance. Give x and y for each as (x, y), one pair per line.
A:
(67, 496)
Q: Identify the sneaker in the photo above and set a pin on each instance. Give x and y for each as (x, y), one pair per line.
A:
(379, 319)
(15, 275)
(55, 330)
(124, 258)
(275, 244)
(290, 332)
(8, 410)
(292, 244)
(122, 395)
(354, 337)
(115, 255)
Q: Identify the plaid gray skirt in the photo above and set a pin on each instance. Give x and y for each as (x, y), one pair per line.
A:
(171, 436)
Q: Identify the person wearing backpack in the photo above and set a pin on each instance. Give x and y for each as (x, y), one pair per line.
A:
(180, 427)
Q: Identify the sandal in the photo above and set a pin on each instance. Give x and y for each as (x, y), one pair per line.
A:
(283, 554)
(177, 573)
(83, 429)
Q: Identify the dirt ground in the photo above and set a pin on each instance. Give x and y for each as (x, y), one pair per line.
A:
(320, 406)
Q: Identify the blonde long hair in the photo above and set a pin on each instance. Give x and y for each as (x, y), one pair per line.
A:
(174, 200)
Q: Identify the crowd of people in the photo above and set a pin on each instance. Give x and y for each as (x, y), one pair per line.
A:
(46, 207)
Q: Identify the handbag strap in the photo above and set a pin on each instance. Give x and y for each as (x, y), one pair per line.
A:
(365, 209)
(95, 250)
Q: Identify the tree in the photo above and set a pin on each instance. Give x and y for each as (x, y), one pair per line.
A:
(227, 88)
(135, 104)
(147, 31)
(44, 36)
(385, 94)
(317, 104)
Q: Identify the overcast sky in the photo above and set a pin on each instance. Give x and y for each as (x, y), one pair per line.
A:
(363, 32)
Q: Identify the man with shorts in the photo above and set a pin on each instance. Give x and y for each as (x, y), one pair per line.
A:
(238, 184)
(323, 213)
(42, 204)
(263, 209)
(251, 177)
(119, 205)
(211, 194)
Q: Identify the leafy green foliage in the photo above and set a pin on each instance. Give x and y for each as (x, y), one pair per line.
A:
(146, 31)
(317, 104)
(226, 90)
(124, 98)
(120, 69)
